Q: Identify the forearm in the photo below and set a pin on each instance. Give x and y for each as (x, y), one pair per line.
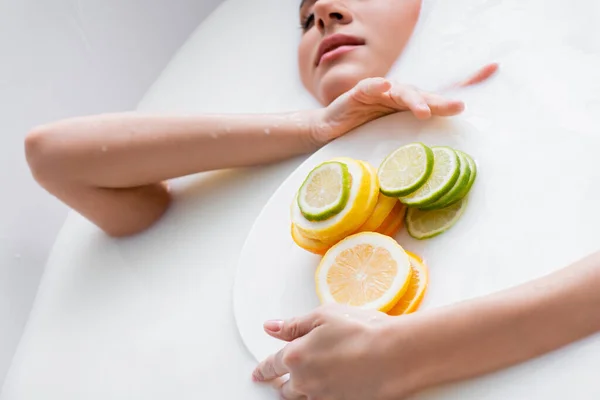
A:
(512, 326)
(130, 150)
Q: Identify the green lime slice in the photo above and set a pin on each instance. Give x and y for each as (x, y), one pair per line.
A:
(427, 224)
(446, 168)
(467, 188)
(405, 170)
(325, 191)
(458, 190)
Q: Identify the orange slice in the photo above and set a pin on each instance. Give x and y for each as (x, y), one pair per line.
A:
(394, 220)
(419, 281)
(396, 223)
(366, 270)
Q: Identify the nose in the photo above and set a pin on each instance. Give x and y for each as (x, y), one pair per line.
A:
(330, 13)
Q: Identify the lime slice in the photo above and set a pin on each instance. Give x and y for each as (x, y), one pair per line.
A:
(325, 191)
(405, 170)
(458, 190)
(472, 177)
(427, 224)
(446, 168)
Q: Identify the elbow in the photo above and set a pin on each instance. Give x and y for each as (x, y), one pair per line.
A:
(41, 153)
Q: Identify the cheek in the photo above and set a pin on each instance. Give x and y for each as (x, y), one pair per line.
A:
(305, 54)
(396, 27)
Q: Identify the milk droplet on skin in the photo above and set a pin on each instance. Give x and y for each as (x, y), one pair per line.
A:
(227, 129)
(267, 131)
(214, 135)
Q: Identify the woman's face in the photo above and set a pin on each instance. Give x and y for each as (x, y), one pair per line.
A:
(345, 41)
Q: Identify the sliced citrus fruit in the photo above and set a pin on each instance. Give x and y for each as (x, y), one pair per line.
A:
(382, 210)
(427, 224)
(446, 169)
(419, 281)
(348, 220)
(310, 245)
(366, 270)
(406, 169)
(396, 223)
(472, 177)
(461, 183)
(325, 191)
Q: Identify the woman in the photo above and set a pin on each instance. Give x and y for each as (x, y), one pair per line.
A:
(112, 170)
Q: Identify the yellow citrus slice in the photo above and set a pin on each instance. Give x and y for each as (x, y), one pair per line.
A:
(419, 281)
(311, 245)
(382, 210)
(366, 270)
(358, 208)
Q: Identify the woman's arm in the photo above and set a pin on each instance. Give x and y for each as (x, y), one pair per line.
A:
(365, 352)
(506, 328)
(110, 167)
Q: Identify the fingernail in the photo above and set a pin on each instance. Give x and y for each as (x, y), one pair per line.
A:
(423, 106)
(257, 376)
(274, 326)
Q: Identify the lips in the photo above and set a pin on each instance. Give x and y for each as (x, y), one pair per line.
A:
(334, 42)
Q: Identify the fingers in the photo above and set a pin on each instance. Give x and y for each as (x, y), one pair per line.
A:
(480, 76)
(374, 86)
(412, 99)
(293, 328)
(288, 393)
(443, 107)
(271, 368)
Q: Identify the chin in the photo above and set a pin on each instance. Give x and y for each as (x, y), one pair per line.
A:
(339, 79)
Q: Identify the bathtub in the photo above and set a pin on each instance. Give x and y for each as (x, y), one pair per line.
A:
(113, 319)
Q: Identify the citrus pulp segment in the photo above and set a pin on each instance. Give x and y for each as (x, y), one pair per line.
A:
(351, 217)
(427, 224)
(405, 170)
(366, 270)
(325, 191)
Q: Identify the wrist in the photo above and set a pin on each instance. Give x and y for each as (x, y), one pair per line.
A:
(321, 129)
(406, 358)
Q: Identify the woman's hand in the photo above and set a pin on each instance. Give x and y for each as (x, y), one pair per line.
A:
(338, 352)
(373, 98)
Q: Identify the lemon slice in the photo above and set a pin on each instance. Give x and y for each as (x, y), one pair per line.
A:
(367, 270)
(405, 170)
(348, 220)
(325, 191)
(382, 210)
(456, 193)
(310, 245)
(427, 224)
(446, 168)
